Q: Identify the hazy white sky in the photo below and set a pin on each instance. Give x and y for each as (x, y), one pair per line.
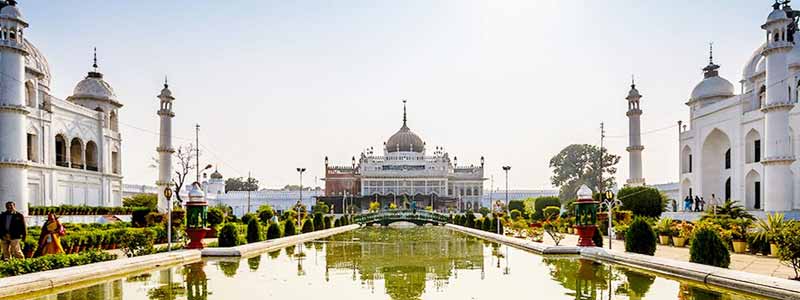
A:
(277, 85)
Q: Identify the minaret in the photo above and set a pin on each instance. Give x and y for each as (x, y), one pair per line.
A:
(778, 149)
(635, 147)
(165, 149)
(13, 140)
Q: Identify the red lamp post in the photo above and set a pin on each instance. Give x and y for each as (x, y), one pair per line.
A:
(585, 217)
(196, 213)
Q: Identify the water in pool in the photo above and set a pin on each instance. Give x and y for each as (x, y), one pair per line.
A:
(397, 263)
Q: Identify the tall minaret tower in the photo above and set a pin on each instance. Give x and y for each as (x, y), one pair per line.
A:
(635, 147)
(13, 140)
(165, 149)
(778, 148)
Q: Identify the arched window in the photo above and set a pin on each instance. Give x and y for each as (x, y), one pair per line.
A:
(762, 92)
(114, 123)
(776, 37)
(91, 156)
(76, 154)
(728, 159)
(61, 151)
(30, 94)
(727, 190)
(115, 162)
(31, 147)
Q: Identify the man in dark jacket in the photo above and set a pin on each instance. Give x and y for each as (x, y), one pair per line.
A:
(12, 232)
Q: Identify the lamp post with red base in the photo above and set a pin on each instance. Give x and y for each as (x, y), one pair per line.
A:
(585, 217)
(196, 213)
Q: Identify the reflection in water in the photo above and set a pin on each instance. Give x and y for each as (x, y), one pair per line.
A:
(405, 259)
(399, 264)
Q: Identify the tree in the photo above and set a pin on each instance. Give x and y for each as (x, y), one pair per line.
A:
(185, 161)
(580, 164)
(320, 207)
(265, 213)
(241, 184)
(141, 200)
(642, 200)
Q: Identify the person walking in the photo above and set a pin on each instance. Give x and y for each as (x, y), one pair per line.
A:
(687, 203)
(12, 232)
(696, 203)
(50, 238)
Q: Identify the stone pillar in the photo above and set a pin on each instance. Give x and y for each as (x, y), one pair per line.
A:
(13, 111)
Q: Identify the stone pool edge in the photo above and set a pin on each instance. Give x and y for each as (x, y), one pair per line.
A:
(39, 281)
(260, 247)
(735, 280)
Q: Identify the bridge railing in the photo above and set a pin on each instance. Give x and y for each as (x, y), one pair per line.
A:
(401, 214)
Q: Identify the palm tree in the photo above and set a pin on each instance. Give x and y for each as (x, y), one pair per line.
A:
(730, 209)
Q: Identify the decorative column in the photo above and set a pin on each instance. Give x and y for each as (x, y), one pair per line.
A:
(778, 149)
(165, 149)
(13, 113)
(585, 217)
(196, 213)
(635, 147)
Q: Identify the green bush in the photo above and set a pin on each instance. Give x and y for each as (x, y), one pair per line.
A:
(708, 248)
(139, 216)
(51, 262)
(288, 228)
(551, 212)
(265, 213)
(541, 203)
(788, 241)
(318, 219)
(254, 231)
(642, 201)
(479, 223)
(327, 222)
(247, 217)
(487, 223)
(640, 237)
(469, 219)
(228, 236)
(515, 214)
(215, 217)
(141, 200)
(338, 222)
(519, 205)
(136, 242)
(273, 231)
(308, 226)
(597, 238)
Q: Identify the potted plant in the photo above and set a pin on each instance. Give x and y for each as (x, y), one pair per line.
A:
(619, 231)
(664, 230)
(682, 232)
(739, 229)
(769, 228)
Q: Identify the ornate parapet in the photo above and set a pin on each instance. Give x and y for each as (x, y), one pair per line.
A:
(13, 163)
(777, 106)
(778, 160)
(13, 108)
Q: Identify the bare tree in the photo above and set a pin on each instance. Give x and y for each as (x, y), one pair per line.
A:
(185, 162)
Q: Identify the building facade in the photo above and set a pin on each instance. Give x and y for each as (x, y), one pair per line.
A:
(405, 176)
(743, 146)
(54, 151)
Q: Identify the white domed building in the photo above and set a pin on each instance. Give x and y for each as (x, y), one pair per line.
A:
(54, 151)
(740, 143)
(405, 175)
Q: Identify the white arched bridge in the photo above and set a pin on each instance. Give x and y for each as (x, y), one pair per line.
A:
(386, 217)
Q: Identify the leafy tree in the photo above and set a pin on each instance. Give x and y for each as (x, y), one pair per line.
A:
(273, 231)
(254, 231)
(541, 202)
(708, 248)
(642, 200)
(580, 164)
(241, 184)
(228, 236)
(141, 200)
(640, 237)
(265, 213)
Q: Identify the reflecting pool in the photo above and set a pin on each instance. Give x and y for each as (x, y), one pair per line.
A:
(397, 263)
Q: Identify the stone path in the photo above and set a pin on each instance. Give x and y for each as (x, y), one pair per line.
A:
(757, 264)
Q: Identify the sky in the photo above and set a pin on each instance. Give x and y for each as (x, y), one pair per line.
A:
(276, 85)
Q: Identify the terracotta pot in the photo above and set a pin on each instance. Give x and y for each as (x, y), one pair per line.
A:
(679, 241)
(739, 246)
(663, 239)
(773, 250)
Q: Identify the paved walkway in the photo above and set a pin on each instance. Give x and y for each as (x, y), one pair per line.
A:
(757, 264)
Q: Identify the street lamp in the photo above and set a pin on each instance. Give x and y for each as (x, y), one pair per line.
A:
(507, 168)
(300, 202)
(609, 203)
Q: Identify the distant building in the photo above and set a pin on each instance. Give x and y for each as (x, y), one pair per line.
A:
(404, 176)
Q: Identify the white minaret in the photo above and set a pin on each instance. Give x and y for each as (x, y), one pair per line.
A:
(165, 149)
(778, 149)
(13, 140)
(635, 147)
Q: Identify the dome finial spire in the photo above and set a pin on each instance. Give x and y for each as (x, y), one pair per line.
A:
(404, 112)
(94, 65)
(711, 53)
(633, 82)
(166, 83)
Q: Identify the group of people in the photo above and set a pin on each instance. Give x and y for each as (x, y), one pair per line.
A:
(13, 232)
(697, 203)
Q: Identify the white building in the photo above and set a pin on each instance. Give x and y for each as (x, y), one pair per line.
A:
(54, 151)
(742, 146)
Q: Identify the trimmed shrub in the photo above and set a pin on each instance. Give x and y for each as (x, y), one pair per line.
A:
(265, 213)
(139, 217)
(51, 262)
(288, 228)
(327, 222)
(337, 223)
(228, 236)
(487, 223)
(215, 216)
(308, 226)
(318, 219)
(640, 238)
(247, 217)
(469, 219)
(137, 242)
(254, 231)
(519, 205)
(707, 248)
(551, 212)
(541, 203)
(479, 223)
(642, 201)
(788, 241)
(597, 238)
(515, 214)
(273, 231)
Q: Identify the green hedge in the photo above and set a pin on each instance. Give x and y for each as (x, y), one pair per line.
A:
(51, 262)
(79, 210)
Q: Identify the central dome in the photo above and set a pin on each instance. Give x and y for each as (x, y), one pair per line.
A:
(405, 140)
